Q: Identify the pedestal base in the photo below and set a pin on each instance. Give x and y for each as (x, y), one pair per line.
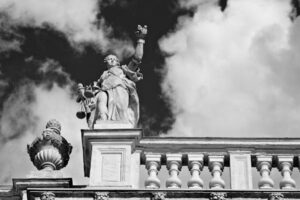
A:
(110, 158)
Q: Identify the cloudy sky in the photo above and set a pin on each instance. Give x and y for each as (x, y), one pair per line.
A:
(211, 68)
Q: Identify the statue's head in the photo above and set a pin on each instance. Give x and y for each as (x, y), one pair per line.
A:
(111, 61)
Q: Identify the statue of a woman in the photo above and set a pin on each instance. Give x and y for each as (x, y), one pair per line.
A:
(117, 99)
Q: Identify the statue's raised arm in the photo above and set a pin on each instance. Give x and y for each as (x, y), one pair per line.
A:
(139, 50)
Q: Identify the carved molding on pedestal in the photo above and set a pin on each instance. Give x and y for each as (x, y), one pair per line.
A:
(218, 196)
(47, 196)
(159, 196)
(50, 150)
(101, 196)
(276, 196)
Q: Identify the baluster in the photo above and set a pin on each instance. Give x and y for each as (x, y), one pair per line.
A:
(264, 166)
(216, 166)
(174, 166)
(195, 163)
(153, 165)
(285, 165)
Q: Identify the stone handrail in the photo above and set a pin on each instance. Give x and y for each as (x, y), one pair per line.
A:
(220, 144)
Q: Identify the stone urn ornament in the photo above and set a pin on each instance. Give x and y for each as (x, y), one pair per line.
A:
(50, 151)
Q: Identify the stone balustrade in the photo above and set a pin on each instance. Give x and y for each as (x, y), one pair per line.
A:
(240, 155)
(243, 157)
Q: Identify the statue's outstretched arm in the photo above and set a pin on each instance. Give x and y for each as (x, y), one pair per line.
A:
(139, 50)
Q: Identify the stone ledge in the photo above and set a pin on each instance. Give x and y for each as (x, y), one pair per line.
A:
(220, 144)
(148, 194)
(24, 183)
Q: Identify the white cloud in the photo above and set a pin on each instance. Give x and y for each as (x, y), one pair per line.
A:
(75, 18)
(235, 73)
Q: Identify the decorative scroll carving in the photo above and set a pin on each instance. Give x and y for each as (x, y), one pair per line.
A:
(218, 196)
(50, 150)
(276, 196)
(159, 195)
(101, 196)
(47, 196)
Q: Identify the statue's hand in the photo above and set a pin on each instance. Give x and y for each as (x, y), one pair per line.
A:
(141, 32)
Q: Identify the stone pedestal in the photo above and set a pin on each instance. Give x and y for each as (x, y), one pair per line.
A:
(110, 158)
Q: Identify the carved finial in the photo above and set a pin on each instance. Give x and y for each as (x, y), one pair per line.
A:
(101, 196)
(50, 151)
(276, 196)
(54, 125)
(218, 196)
(47, 196)
(159, 195)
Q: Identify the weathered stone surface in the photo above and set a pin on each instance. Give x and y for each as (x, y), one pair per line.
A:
(112, 167)
(240, 170)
